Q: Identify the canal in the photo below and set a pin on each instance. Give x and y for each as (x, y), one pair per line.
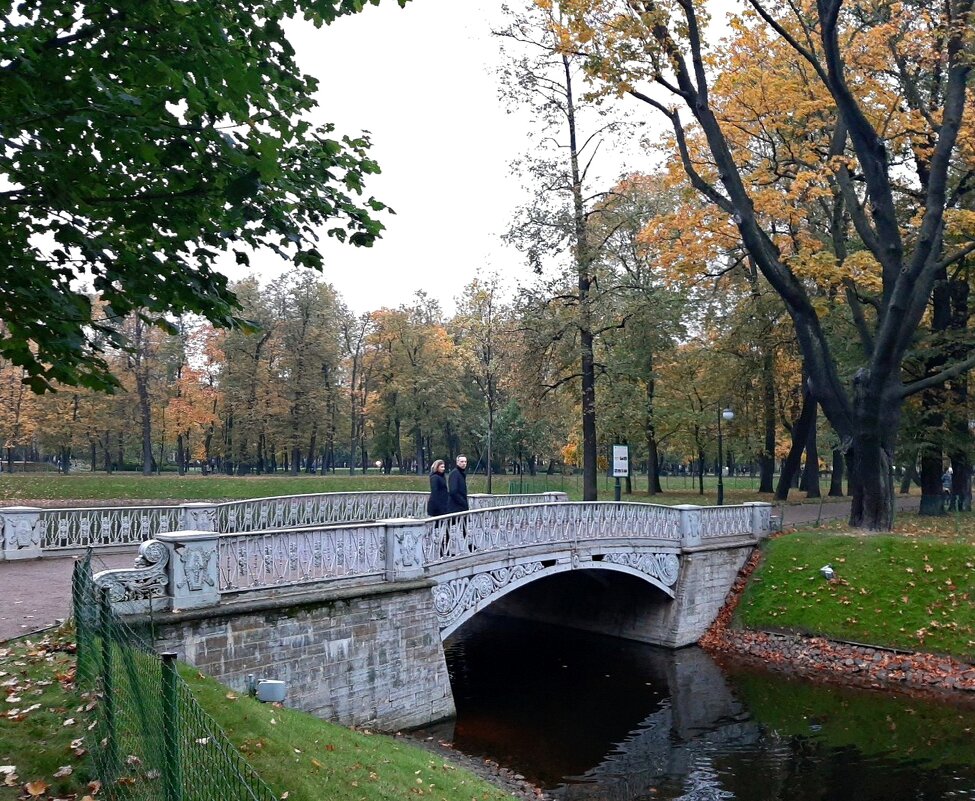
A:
(587, 717)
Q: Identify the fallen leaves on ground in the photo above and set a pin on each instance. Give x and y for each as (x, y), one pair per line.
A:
(38, 688)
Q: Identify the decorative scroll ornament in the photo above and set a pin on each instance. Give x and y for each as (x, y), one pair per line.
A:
(200, 518)
(147, 580)
(453, 598)
(20, 531)
(665, 567)
(409, 550)
(196, 568)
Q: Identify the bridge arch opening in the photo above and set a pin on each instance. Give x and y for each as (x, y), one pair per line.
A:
(598, 600)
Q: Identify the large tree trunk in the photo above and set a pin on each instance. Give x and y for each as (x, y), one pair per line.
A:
(653, 465)
(418, 443)
(397, 448)
(810, 475)
(312, 445)
(490, 442)
(145, 419)
(873, 483)
(836, 476)
(653, 457)
(875, 432)
(961, 440)
(932, 409)
(800, 436)
(910, 476)
(767, 459)
(932, 468)
(180, 457)
(589, 486)
(583, 264)
(700, 472)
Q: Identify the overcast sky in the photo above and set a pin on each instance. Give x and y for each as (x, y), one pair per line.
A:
(422, 80)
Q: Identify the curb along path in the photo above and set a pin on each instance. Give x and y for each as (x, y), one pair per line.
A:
(818, 657)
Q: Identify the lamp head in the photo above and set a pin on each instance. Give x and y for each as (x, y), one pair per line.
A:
(727, 414)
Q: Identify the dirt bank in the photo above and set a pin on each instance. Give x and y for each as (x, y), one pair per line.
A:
(829, 660)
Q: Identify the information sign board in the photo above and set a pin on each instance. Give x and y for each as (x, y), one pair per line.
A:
(621, 461)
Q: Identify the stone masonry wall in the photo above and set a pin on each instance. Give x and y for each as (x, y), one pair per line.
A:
(706, 578)
(373, 660)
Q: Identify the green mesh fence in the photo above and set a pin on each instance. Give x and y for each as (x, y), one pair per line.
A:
(148, 737)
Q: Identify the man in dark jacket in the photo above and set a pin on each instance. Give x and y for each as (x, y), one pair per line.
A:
(457, 486)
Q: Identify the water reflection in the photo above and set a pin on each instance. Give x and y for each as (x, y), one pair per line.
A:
(592, 718)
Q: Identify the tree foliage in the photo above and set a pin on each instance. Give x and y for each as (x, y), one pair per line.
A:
(143, 141)
(869, 101)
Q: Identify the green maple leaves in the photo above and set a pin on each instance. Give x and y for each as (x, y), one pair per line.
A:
(141, 142)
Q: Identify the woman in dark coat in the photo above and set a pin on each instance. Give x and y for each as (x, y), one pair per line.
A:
(437, 503)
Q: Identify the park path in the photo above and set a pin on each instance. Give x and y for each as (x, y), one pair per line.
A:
(832, 509)
(36, 593)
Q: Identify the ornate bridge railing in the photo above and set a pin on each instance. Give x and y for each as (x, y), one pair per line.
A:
(265, 560)
(27, 532)
(185, 570)
(462, 535)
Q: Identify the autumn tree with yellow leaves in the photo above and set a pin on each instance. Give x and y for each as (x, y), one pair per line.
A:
(873, 96)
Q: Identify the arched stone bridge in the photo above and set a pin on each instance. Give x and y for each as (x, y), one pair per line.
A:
(353, 615)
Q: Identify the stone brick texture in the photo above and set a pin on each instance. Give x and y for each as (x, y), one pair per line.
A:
(374, 661)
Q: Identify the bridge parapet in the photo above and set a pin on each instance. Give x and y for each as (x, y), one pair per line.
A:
(190, 569)
(28, 532)
(354, 615)
(464, 534)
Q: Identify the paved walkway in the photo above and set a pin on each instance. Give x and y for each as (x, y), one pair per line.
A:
(831, 509)
(36, 593)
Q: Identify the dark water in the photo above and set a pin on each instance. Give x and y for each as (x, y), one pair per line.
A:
(587, 717)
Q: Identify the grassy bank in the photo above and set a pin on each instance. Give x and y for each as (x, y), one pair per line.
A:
(301, 758)
(912, 589)
(116, 488)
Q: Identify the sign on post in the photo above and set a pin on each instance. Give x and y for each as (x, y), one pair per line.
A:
(621, 461)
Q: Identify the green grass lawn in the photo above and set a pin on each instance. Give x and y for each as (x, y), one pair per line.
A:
(314, 760)
(118, 488)
(912, 589)
(307, 758)
(41, 727)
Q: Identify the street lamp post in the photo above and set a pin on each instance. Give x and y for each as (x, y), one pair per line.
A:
(728, 415)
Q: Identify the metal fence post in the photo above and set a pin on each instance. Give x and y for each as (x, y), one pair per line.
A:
(172, 769)
(108, 680)
(81, 600)
(80, 624)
